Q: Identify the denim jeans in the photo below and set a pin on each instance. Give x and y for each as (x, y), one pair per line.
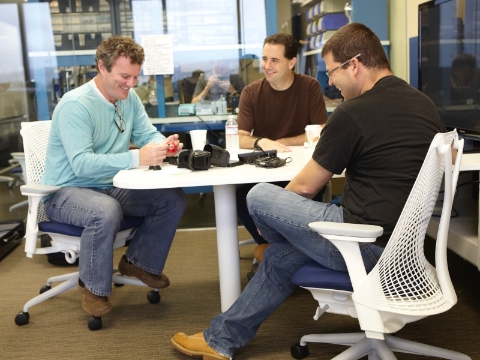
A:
(100, 212)
(244, 215)
(284, 223)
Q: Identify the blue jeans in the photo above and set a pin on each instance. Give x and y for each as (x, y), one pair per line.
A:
(284, 223)
(100, 212)
(242, 209)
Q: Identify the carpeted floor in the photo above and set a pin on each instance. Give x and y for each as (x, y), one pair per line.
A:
(138, 330)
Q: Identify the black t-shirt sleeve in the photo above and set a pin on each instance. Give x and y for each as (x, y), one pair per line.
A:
(339, 140)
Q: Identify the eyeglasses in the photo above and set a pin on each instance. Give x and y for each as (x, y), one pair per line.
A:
(120, 127)
(329, 73)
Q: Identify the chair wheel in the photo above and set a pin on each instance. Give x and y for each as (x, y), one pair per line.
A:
(153, 297)
(22, 318)
(95, 323)
(299, 352)
(45, 288)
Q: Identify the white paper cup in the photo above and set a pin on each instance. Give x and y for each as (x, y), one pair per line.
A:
(199, 139)
(312, 134)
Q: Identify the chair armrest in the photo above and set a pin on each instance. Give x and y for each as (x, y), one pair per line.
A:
(346, 231)
(35, 192)
(38, 189)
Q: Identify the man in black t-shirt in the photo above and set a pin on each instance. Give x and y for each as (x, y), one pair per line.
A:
(380, 136)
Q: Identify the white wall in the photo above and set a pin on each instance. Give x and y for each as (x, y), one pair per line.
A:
(403, 17)
(398, 37)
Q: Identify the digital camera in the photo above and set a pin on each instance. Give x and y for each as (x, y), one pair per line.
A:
(202, 159)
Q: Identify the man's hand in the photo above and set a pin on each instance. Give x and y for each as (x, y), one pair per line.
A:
(267, 144)
(154, 154)
(225, 85)
(222, 84)
(178, 145)
(212, 81)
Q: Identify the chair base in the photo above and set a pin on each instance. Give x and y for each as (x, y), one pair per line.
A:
(70, 281)
(376, 349)
(246, 242)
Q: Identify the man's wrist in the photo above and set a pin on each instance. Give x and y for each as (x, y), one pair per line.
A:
(255, 144)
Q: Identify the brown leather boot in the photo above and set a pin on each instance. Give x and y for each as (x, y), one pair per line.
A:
(258, 252)
(93, 304)
(195, 346)
(154, 281)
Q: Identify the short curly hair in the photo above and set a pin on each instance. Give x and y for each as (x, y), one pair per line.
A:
(114, 47)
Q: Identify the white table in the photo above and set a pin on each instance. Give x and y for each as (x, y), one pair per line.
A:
(223, 181)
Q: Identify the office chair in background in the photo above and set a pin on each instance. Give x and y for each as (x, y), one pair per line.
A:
(19, 171)
(10, 170)
(403, 287)
(187, 86)
(64, 238)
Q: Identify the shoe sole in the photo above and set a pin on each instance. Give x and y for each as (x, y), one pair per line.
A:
(99, 314)
(124, 271)
(195, 354)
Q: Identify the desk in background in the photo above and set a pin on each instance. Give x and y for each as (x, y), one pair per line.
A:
(186, 123)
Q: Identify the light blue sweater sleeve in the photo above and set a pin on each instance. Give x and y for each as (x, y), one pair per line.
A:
(85, 147)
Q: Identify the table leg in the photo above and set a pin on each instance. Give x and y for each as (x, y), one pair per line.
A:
(227, 244)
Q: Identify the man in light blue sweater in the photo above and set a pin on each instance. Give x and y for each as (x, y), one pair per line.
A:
(92, 128)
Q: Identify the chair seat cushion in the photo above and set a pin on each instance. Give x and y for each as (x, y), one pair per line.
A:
(71, 230)
(314, 275)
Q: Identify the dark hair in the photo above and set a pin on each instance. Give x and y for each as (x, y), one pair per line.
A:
(353, 39)
(288, 41)
(114, 47)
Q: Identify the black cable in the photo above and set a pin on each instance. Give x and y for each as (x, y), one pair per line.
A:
(209, 128)
(267, 160)
(254, 155)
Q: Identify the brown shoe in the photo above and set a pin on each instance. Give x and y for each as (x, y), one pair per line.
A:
(154, 281)
(93, 304)
(258, 252)
(195, 346)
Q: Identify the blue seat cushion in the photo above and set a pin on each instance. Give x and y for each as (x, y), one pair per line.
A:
(314, 275)
(71, 230)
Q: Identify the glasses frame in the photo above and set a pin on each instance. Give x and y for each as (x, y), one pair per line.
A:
(329, 73)
(122, 126)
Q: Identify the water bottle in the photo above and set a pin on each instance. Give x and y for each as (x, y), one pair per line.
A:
(231, 137)
(221, 106)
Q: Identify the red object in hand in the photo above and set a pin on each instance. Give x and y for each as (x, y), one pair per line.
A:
(172, 148)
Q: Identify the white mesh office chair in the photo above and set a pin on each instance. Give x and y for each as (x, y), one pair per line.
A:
(403, 287)
(65, 238)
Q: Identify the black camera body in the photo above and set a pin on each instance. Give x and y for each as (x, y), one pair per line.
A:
(194, 160)
(202, 159)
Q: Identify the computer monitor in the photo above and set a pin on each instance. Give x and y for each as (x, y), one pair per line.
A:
(448, 59)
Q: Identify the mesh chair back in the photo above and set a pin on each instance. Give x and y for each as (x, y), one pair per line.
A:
(35, 140)
(403, 281)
